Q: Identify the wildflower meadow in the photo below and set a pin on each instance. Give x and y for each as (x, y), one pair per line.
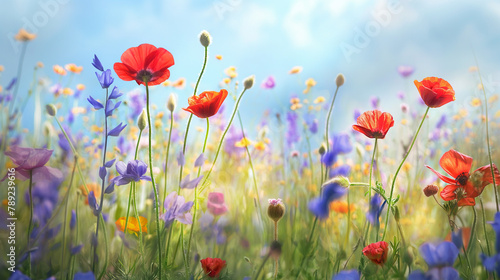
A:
(118, 167)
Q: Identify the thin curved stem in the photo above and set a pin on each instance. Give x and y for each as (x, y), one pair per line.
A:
(157, 216)
(31, 221)
(370, 188)
(196, 196)
(168, 152)
(389, 202)
(488, 139)
(66, 220)
(102, 184)
(224, 135)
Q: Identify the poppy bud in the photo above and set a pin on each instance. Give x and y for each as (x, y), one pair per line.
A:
(340, 80)
(142, 121)
(51, 109)
(205, 38)
(377, 252)
(431, 190)
(248, 82)
(276, 209)
(322, 149)
(172, 102)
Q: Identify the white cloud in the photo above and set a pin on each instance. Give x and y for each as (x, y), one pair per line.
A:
(297, 22)
(250, 23)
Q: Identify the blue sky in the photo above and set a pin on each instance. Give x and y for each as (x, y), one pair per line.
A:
(265, 38)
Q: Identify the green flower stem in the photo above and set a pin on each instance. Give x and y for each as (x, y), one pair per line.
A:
(131, 192)
(253, 173)
(370, 184)
(191, 116)
(168, 152)
(488, 140)
(105, 233)
(19, 71)
(102, 187)
(327, 125)
(484, 226)
(309, 242)
(196, 197)
(72, 259)
(31, 221)
(134, 187)
(389, 202)
(157, 204)
(66, 219)
(224, 135)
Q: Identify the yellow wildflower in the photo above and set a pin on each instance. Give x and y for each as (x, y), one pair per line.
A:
(24, 36)
(295, 70)
(59, 70)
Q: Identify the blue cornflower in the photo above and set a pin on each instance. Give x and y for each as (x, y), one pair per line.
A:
(332, 190)
(375, 210)
(84, 276)
(133, 171)
(440, 259)
(97, 63)
(347, 275)
(117, 130)
(105, 78)
(177, 209)
(493, 263)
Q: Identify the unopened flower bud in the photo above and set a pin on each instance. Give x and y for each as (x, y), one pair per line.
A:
(51, 109)
(322, 149)
(431, 190)
(205, 38)
(340, 80)
(142, 120)
(341, 180)
(172, 102)
(397, 215)
(248, 82)
(276, 209)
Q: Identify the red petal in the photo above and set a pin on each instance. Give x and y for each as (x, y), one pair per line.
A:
(468, 201)
(448, 193)
(455, 163)
(442, 177)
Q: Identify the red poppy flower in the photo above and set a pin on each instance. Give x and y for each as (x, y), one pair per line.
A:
(435, 91)
(374, 124)
(463, 185)
(206, 104)
(212, 266)
(145, 63)
(377, 252)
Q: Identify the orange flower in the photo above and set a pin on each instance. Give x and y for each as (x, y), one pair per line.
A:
(180, 83)
(59, 70)
(206, 104)
(91, 187)
(463, 186)
(295, 70)
(24, 35)
(132, 224)
(435, 92)
(341, 207)
(374, 124)
(73, 68)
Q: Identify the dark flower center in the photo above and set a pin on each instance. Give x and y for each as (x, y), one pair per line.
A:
(462, 178)
(144, 75)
